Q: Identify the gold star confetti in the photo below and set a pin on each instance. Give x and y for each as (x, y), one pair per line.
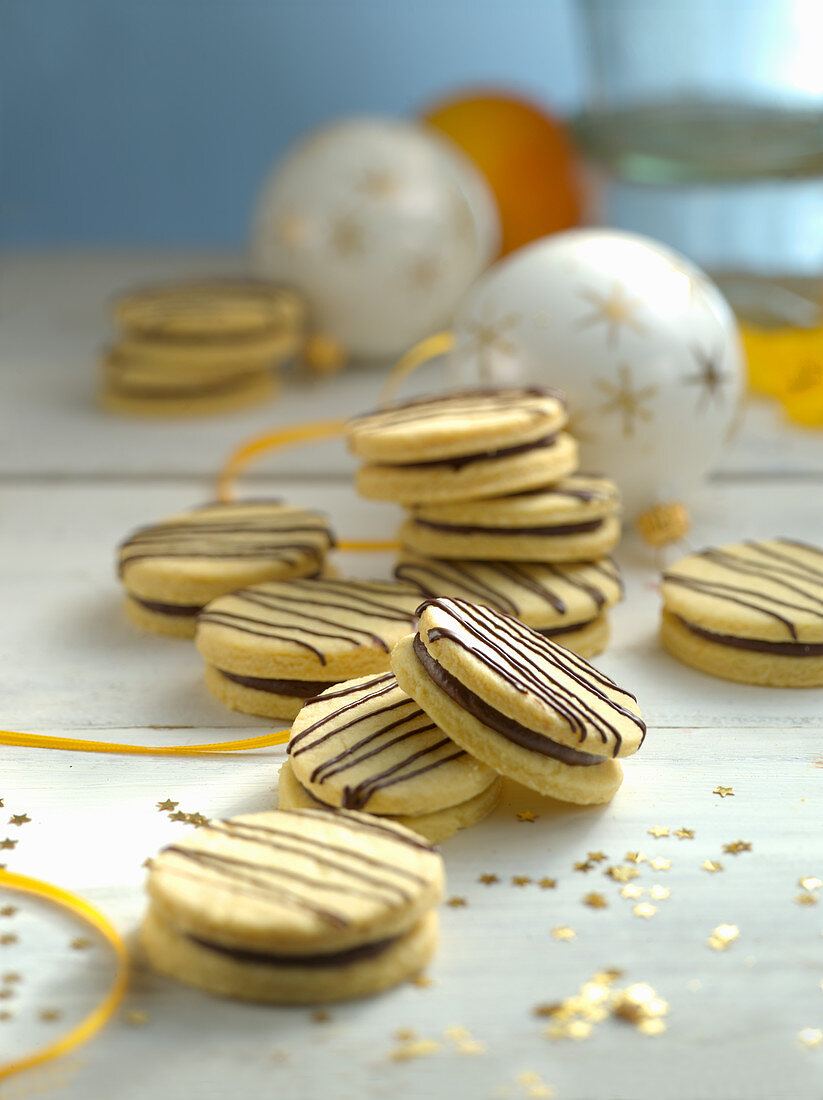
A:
(623, 399)
(547, 883)
(2, 802)
(563, 932)
(527, 815)
(136, 1017)
(622, 873)
(520, 880)
(486, 338)
(179, 816)
(659, 893)
(810, 1037)
(197, 820)
(595, 901)
(421, 981)
(596, 857)
(488, 880)
(19, 819)
(347, 237)
(8, 843)
(810, 882)
(423, 272)
(724, 792)
(8, 938)
(534, 1086)
(737, 846)
(632, 892)
(658, 831)
(320, 1016)
(403, 1034)
(613, 310)
(5, 1015)
(471, 1046)
(639, 1004)
(635, 857)
(723, 937)
(709, 377)
(684, 833)
(456, 1033)
(583, 865)
(711, 865)
(8, 911)
(11, 977)
(660, 864)
(48, 1015)
(415, 1048)
(457, 903)
(80, 943)
(549, 1009)
(5, 994)
(645, 910)
(167, 804)
(806, 899)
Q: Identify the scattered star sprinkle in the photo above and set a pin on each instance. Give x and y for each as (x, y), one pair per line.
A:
(488, 880)
(178, 816)
(527, 815)
(684, 833)
(639, 1004)
(724, 792)
(597, 857)
(622, 873)
(5, 994)
(5, 1015)
(659, 893)
(415, 1048)
(534, 1086)
(563, 932)
(630, 891)
(810, 882)
(167, 804)
(403, 1034)
(8, 844)
(471, 1046)
(723, 937)
(810, 1037)
(11, 977)
(520, 880)
(457, 1032)
(422, 981)
(19, 819)
(711, 865)
(7, 938)
(583, 865)
(547, 883)
(457, 903)
(48, 1015)
(595, 901)
(148, 863)
(806, 899)
(597, 1000)
(658, 831)
(136, 1017)
(660, 864)
(8, 911)
(737, 846)
(320, 1016)
(80, 943)
(645, 910)
(197, 820)
(549, 1009)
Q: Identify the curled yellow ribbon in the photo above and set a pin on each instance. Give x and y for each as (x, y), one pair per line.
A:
(71, 744)
(415, 357)
(105, 1010)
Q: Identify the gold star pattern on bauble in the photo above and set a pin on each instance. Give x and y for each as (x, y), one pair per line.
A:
(615, 311)
(347, 237)
(625, 400)
(486, 337)
(423, 273)
(724, 792)
(292, 231)
(708, 376)
(379, 183)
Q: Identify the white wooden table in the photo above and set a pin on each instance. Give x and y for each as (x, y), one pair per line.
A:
(73, 480)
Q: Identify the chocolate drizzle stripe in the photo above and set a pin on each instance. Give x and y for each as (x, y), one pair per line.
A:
(299, 689)
(457, 404)
(474, 529)
(333, 959)
(457, 462)
(507, 727)
(382, 679)
(296, 739)
(371, 826)
(756, 645)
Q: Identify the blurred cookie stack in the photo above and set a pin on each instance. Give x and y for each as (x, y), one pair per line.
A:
(199, 347)
(498, 514)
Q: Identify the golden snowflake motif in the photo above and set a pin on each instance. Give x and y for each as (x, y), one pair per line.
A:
(709, 377)
(615, 311)
(629, 402)
(379, 183)
(347, 237)
(488, 338)
(423, 273)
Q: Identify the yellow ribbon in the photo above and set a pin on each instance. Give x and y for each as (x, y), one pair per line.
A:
(70, 744)
(105, 1010)
(415, 357)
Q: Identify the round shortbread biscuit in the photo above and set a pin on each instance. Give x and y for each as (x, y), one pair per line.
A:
(455, 424)
(290, 640)
(189, 558)
(745, 666)
(586, 639)
(131, 375)
(247, 352)
(365, 745)
(252, 390)
(541, 595)
(506, 470)
(296, 883)
(485, 543)
(585, 786)
(172, 625)
(252, 977)
(209, 307)
(436, 826)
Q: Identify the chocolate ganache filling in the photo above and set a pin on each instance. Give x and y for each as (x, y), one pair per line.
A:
(757, 645)
(184, 610)
(459, 461)
(554, 631)
(300, 689)
(501, 723)
(471, 529)
(336, 958)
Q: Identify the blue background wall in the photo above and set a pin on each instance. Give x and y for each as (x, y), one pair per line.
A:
(154, 121)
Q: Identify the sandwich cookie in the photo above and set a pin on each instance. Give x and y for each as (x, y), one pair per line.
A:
(565, 602)
(132, 389)
(462, 446)
(750, 612)
(529, 708)
(577, 519)
(270, 647)
(294, 907)
(365, 745)
(174, 567)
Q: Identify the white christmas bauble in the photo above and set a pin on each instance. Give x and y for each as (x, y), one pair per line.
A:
(642, 342)
(383, 225)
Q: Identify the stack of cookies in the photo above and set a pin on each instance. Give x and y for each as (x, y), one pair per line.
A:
(498, 514)
(199, 347)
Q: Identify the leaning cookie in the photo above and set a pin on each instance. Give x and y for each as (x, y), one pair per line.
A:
(529, 708)
(462, 446)
(366, 745)
(174, 567)
(564, 601)
(750, 612)
(271, 647)
(294, 907)
(576, 519)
